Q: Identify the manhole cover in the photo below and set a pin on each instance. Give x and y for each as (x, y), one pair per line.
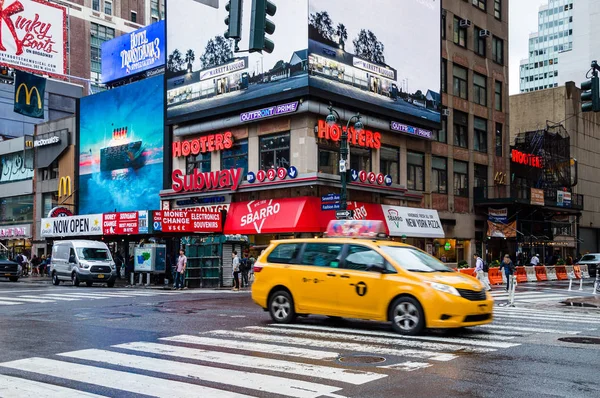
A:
(361, 359)
(580, 340)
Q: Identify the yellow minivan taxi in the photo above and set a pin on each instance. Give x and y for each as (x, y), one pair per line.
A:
(366, 279)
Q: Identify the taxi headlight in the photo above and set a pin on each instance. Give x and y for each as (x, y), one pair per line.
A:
(445, 288)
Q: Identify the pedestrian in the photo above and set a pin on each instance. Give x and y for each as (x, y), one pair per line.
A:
(19, 260)
(479, 271)
(118, 263)
(535, 260)
(129, 269)
(569, 260)
(235, 266)
(181, 264)
(35, 265)
(251, 261)
(244, 268)
(509, 269)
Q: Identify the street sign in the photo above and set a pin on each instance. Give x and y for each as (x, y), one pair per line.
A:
(354, 175)
(344, 214)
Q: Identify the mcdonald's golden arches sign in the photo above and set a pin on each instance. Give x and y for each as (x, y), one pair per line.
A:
(29, 94)
(64, 187)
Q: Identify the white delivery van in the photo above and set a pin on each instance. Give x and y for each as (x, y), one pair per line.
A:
(79, 261)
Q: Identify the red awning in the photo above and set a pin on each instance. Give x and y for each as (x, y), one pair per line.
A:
(274, 216)
(362, 211)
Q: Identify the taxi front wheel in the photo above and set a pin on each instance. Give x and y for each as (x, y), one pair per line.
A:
(281, 307)
(407, 316)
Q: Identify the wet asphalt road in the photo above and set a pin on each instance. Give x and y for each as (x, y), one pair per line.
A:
(520, 355)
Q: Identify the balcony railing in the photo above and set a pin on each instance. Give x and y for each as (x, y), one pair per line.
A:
(522, 194)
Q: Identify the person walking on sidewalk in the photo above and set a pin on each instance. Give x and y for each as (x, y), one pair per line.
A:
(479, 271)
(535, 260)
(244, 268)
(235, 266)
(181, 264)
(509, 269)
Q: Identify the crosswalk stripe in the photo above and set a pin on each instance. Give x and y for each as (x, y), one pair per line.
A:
(407, 366)
(97, 295)
(530, 295)
(341, 346)
(9, 303)
(537, 318)
(374, 340)
(131, 382)
(303, 369)
(548, 312)
(524, 329)
(253, 381)
(466, 341)
(257, 347)
(539, 300)
(24, 300)
(58, 297)
(552, 315)
(82, 296)
(16, 387)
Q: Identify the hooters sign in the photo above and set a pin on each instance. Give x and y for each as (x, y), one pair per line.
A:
(33, 36)
(363, 138)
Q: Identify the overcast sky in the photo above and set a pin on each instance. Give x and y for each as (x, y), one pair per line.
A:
(523, 20)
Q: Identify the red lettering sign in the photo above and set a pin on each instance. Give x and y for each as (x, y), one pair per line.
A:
(282, 173)
(261, 175)
(271, 174)
(364, 138)
(527, 159)
(188, 221)
(120, 223)
(207, 143)
(208, 181)
(380, 178)
(362, 176)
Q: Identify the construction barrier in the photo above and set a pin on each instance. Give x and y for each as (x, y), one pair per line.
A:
(570, 272)
(521, 275)
(561, 273)
(540, 273)
(495, 276)
(468, 271)
(577, 271)
(585, 273)
(551, 272)
(530, 271)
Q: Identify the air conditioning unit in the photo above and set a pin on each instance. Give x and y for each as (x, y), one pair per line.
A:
(465, 23)
(484, 33)
(446, 112)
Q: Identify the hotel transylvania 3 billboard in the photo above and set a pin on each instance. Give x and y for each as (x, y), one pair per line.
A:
(384, 54)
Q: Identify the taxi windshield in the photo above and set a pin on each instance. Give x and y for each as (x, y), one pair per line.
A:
(414, 260)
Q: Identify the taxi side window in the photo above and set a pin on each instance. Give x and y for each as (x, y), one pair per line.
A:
(359, 258)
(285, 253)
(321, 255)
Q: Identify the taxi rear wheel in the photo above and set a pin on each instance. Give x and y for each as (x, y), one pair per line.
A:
(407, 317)
(281, 307)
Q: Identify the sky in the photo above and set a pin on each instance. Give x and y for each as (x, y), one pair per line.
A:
(523, 20)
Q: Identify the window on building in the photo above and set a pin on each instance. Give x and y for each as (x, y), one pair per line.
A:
(460, 75)
(460, 34)
(444, 75)
(133, 16)
(461, 178)
(50, 172)
(155, 13)
(498, 50)
(275, 151)
(443, 27)
(479, 89)
(441, 135)
(479, 44)
(16, 210)
(236, 156)
(480, 172)
(99, 34)
(498, 95)
(498, 9)
(107, 7)
(415, 168)
(461, 126)
(49, 201)
(389, 163)
(479, 4)
(200, 162)
(480, 134)
(360, 158)
(439, 174)
(96, 5)
(498, 139)
(329, 159)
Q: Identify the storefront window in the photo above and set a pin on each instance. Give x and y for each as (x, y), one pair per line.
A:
(329, 161)
(275, 151)
(360, 159)
(461, 178)
(50, 200)
(416, 171)
(200, 162)
(236, 157)
(16, 210)
(389, 164)
(439, 175)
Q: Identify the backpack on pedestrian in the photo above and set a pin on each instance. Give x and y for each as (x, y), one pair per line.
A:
(244, 265)
(486, 267)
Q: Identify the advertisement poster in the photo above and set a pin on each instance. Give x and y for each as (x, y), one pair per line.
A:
(143, 259)
(413, 222)
(13, 166)
(134, 53)
(187, 221)
(120, 223)
(72, 226)
(33, 36)
(537, 197)
(499, 230)
(121, 148)
(205, 72)
(357, 53)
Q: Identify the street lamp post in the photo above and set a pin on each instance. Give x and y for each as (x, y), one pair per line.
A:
(331, 120)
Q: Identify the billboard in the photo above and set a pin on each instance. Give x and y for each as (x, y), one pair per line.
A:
(33, 36)
(205, 74)
(121, 148)
(134, 53)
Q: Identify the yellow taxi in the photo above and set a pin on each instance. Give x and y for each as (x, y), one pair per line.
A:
(354, 272)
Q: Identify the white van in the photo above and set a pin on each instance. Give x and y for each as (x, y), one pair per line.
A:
(79, 261)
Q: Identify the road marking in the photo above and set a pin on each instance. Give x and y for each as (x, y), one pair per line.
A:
(407, 366)
(466, 341)
(24, 300)
(9, 303)
(131, 382)
(355, 377)
(540, 318)
(257, 347)
(58, 297)
(341, 346)
(254, 381)
(533, 330)
(374, 340)
(97, 295)
(82, 296)
(16, 387)
(544, 312)
(539, 300)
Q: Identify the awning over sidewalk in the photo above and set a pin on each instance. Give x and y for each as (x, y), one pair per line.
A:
(274, 216)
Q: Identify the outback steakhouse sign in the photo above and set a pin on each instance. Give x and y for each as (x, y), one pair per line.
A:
(207, 143)
(364, 138)
(207, 181)
(120, 223)
(188, 221)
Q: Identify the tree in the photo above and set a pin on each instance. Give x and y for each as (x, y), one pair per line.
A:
(368, 47)
(175, 61)
(322, 23)
(342, 34)
(217, 52)
(190, 57)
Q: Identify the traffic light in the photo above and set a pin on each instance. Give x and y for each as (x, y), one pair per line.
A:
(234, 19)
(261, 26)
(590, 96)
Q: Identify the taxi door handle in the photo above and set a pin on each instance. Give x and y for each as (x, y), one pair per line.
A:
(345, 276)
(331, 274)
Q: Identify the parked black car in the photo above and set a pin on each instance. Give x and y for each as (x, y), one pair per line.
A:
(592, 260)
(9, 269)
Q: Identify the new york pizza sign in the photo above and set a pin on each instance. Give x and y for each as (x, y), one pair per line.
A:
(33, 36)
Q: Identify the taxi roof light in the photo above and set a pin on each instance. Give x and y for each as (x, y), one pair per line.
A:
(356, 229)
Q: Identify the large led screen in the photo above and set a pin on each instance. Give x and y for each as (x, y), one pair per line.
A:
(121, 134)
